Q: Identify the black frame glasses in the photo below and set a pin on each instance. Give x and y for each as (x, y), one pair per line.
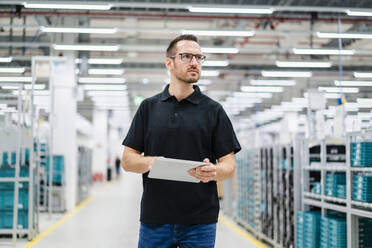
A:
(187, 57)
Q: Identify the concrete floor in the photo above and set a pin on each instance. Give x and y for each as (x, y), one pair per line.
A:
(110, 220)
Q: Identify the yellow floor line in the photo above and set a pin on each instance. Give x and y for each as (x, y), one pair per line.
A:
(241, 232)
(60, 222)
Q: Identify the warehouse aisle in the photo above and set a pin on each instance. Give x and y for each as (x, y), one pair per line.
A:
(110, 220)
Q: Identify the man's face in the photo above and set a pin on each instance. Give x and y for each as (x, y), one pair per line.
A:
(186, 71)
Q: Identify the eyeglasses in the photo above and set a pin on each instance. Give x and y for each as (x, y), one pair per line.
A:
(187, 57)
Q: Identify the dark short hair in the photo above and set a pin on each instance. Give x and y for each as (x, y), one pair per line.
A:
(170, 49)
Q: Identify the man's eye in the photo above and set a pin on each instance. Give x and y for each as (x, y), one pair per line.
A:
(198, 57)
(187, 56)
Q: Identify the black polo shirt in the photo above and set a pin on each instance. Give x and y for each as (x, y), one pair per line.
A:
(193, 129)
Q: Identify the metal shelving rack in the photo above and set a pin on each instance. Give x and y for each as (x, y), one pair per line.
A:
(21, 101)
(351, 208)
(269, 173)
(85, 173)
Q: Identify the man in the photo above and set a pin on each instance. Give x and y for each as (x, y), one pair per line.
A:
(181, 123)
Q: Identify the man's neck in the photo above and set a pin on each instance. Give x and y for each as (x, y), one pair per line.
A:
(180, 90)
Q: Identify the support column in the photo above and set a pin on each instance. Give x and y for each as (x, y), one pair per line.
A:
(100, 148)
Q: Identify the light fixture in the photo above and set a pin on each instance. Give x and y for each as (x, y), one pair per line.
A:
(107, 93)
(343, 35)
(102, 80)
(273, 82)
(204, 82)
(311, 51)
(303, 64)
(6, 59)
(15, 79)
(362, 74)
(303, 74)
(338, 89)
(231, 10)
(219, 50)
(36, 86)
(102, 61)
(105, 87)
(12, 70)
(36, 92)
(353, 83)
(261, 89)
(210, 73)
(107, 48)
(252, 95)
(216, 63)
(106, 71)
(78, 30)
(358, 13)
(66, 6)
(219, 33)
(9, 87)
(364, 101)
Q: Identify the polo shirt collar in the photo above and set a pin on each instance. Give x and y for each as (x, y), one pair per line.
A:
(193, 98)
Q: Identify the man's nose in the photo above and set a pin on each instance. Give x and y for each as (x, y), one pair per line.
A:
(193, 60)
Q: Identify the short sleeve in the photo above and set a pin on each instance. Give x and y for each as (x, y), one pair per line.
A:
(135, 135)
(224, 140)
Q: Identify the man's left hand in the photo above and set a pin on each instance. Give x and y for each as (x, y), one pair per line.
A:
(205, 173)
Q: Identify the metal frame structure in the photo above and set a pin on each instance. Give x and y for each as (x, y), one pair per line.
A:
(49, 187)
(31, 230)
(352, 209)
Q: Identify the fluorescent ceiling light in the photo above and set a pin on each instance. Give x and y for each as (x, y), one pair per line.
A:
(300, 64)
(218, 33)
(107, 93)
(210, 73)
(102, 61)
(67, 6)
(102, 80)
(15, 79)
(304, 74)
(343, 36)
(311, 51)
(105, 87)
(261, 89)
(219, 50)
(231, 10)
(363, 74)
(106, 71)
(36, 92)
(364, 101)
(252, 95)
(332, 95)
(353, 83)
(286, 108)
(78, 30)
(216, 63)
(358, 13)
(338, 90)
(9, 87)
(204, 82)
(273, 82)
(36, 86)
(12, 70)
(6, 59)
(112, 48)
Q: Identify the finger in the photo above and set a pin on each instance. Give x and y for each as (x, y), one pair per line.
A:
(208, 168)
(206, 160)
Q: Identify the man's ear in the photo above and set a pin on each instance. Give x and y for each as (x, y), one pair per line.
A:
(168, 63)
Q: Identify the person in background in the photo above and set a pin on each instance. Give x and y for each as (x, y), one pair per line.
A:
(117, 166)
(182, 123)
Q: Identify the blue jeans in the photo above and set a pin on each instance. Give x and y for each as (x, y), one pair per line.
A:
(173, 236)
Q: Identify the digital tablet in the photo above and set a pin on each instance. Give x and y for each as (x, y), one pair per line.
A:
(174, 169)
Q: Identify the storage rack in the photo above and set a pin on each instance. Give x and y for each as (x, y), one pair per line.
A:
(18, 178)
(326, 202)
(267, 201)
